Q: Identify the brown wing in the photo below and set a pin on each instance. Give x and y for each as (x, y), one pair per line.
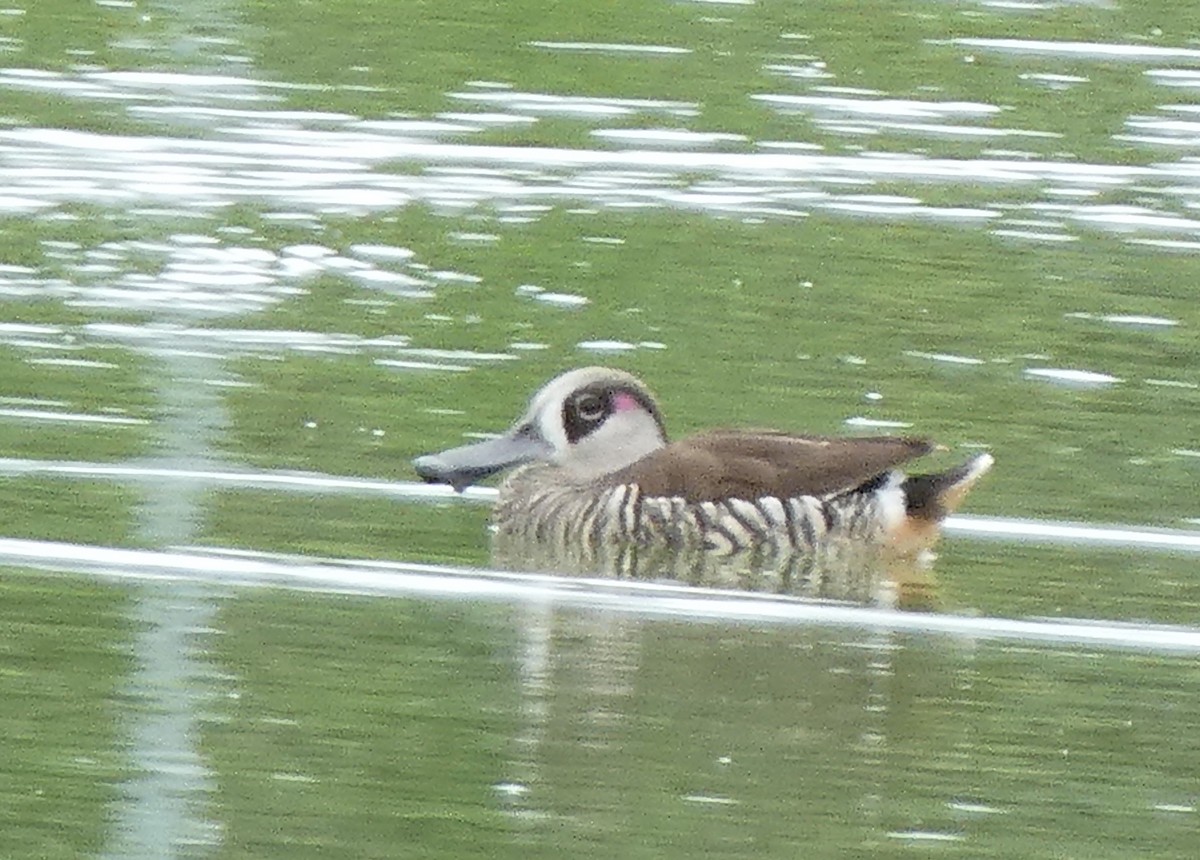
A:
(739, 464)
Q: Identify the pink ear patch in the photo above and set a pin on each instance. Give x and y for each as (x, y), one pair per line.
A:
(623, 401)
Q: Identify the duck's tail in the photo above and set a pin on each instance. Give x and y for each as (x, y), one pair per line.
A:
(934, 497)
(928, 499)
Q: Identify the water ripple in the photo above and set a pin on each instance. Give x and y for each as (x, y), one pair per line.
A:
(397, 579)
(176, 339)
(612, 48)
(1079, 50)
(70, 417)
(312, 163)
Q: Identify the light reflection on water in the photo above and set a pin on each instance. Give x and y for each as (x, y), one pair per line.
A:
(324, 162)
(37, 415)
(311, 164)
(645, 599)
(166, 803)
(1083, 50)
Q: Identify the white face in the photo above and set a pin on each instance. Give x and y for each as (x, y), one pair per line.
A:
(588, 422)
(595, 420)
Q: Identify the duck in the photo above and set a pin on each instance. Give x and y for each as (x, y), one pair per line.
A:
(592, 466)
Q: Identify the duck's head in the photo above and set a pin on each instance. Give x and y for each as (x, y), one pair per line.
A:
(589, 422)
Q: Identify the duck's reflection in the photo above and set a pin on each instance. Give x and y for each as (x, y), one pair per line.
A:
(869, 574)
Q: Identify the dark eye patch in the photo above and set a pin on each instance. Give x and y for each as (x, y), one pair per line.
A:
(584, 411)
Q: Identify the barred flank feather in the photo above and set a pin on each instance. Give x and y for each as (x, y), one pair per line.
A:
(568, 513)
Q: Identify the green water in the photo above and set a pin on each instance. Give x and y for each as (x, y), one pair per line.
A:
(131, 256)
(65, 656)
(387, 728)
(793, 739)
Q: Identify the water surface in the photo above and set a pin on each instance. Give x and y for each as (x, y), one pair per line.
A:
(253, 259)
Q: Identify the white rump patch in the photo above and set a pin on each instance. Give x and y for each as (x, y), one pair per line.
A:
(893, 507)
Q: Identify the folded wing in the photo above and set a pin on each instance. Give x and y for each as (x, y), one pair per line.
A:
(741, 464)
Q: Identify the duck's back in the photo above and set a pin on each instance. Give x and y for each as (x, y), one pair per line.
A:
(720, 465)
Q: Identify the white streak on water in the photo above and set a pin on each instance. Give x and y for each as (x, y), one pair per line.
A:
(73, 362)
(1139, 321)
(1080, 50)
(68, 417)
(1073, 534)
(943, 357)
(1070, 377)
(562, 300)
(407, 364)
(925, 836)
(879, 107)
(645, 599)
(289, 152)
(612, 48)
(164, 803)
(861, 421)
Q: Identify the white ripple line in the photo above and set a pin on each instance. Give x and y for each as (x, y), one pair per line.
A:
(397, 579)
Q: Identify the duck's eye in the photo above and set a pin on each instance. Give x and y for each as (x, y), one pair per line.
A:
(591, 407)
